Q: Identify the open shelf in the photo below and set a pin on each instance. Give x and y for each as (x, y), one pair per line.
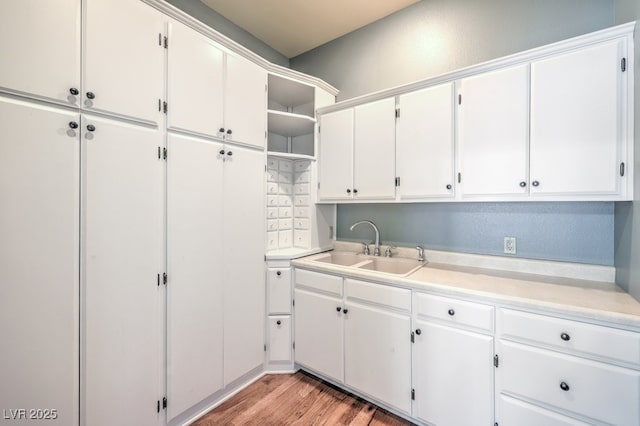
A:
(289, 124)
(288, 92)
(290, 156)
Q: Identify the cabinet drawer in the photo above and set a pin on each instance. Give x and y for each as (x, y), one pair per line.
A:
(513, 412)
(301, 188)
(301, 223)
(272, 225)
(285, 166)
(302, 200)
(301, 212)
(314, 280)
(285, 189)
(272, 240)
(272, 188)
(279, 290)
(284, 177)
(272, 175)
(454, 311)
(301, 166)
(285, 200)
(285, 238)
(393, 297)
(285, 212)
(272, 163)
(301, 238)
(280, 338)
(303, 177)
(593, 389)
(284, 224)
(272, 212)
(272, 201)
(574, 336)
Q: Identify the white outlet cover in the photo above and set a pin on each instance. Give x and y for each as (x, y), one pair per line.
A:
(510, 245)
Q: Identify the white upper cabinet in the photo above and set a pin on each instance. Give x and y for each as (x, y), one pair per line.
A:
(37, 38)
(374, 150)
(213, 93)
(335, 161)
(123, 58)
(577, 135)
(424, 143)
(493, 129)
(245, 101)
(195, 82)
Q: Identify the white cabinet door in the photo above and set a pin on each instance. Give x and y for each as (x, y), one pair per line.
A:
(374, 150)
(39, 222)
(577, 101)
(452, 368)
(123, 60)
(335, 160)
(424, 143)
(319, 328)
(39, 38)
(122, 236)
(245, 110)
(493, 129)
(243, 233)
(194, 262)
(378, 354)
(195, 82)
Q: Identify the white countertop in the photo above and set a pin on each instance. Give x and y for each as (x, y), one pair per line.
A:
(601, 301)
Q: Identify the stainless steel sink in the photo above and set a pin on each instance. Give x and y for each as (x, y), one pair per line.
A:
(342, 258)
(393, 265)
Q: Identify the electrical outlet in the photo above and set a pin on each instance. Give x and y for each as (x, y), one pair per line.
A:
(510, 245)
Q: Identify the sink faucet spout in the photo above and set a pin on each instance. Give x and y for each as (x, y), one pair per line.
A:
(376, 250)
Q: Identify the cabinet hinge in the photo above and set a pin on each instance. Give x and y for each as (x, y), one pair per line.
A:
(413, 337)
(159, 105)
(265, 347)
(318, 185)
(459, 177)
(623, 64)
(158, 406)
(164, 278)
(496, 360)
(398, 181)
(159, 153)
(397, 112)
(294, 345)
(166, 42)
(164, 402)
(621, 169)
(160, 39)
(164, 153)
(158, 280)
(293, 302)
(459, 98)
(413, 394)
(165, 107)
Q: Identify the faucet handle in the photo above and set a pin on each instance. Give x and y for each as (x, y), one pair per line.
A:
(365, 249)
(420, 253)
(387, 252)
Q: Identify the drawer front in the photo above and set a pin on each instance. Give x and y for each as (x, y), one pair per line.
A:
(573, 336)
(513, 412)
(285, 166)
(285, 189)
(314, 280)
(280, 338)
(592, 389)
(393, 297)
(303, 177)
(301, 223)
(285, 224)
(272, 201)
(272, 225)
(285, 177)
(272, 175)
(285, 238)
(301, 238)
(285, 200)
(302, 200)
(301, 166)
(301, 188)
(272, 240)
(272, 212)
(272, 188)
(272, 163)
(454, 311)
(279, 290)
(301, 212)
(285, 212)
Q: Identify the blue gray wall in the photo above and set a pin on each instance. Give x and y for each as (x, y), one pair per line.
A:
(208, 16)
(436, 36)
(627, 218)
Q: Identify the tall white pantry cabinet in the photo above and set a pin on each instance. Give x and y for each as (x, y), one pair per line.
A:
(132, 174)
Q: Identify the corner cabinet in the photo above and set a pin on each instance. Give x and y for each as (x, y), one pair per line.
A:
(553, 123)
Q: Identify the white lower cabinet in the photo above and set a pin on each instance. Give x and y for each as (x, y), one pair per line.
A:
(279, 338)
(452, 366)
(518, 413)
(39, 253)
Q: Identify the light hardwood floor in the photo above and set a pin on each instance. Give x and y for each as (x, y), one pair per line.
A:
(297, 399)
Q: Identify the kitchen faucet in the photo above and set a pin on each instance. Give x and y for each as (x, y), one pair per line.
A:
(376, 250)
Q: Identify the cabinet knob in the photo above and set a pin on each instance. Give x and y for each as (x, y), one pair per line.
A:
(449, 186)
(74, 91)
(221, 129)
(564, 386)
(278, 322)
(221, 152)
(73, 125)
(229, 132)
(565, 337)
(535, 183)
(523, 184)
(348, 191)
(355, 191)
(279, 273)
(229, 153)
(91, 127)
(338, 308)
(418, 331)
(91, 95)
(452, 312)
(345, 310)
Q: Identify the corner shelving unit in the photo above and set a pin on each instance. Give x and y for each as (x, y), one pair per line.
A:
(291, 118)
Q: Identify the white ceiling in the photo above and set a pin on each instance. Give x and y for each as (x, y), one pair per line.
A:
(293, 27)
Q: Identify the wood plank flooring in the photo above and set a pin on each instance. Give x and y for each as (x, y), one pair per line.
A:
(297, 399)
